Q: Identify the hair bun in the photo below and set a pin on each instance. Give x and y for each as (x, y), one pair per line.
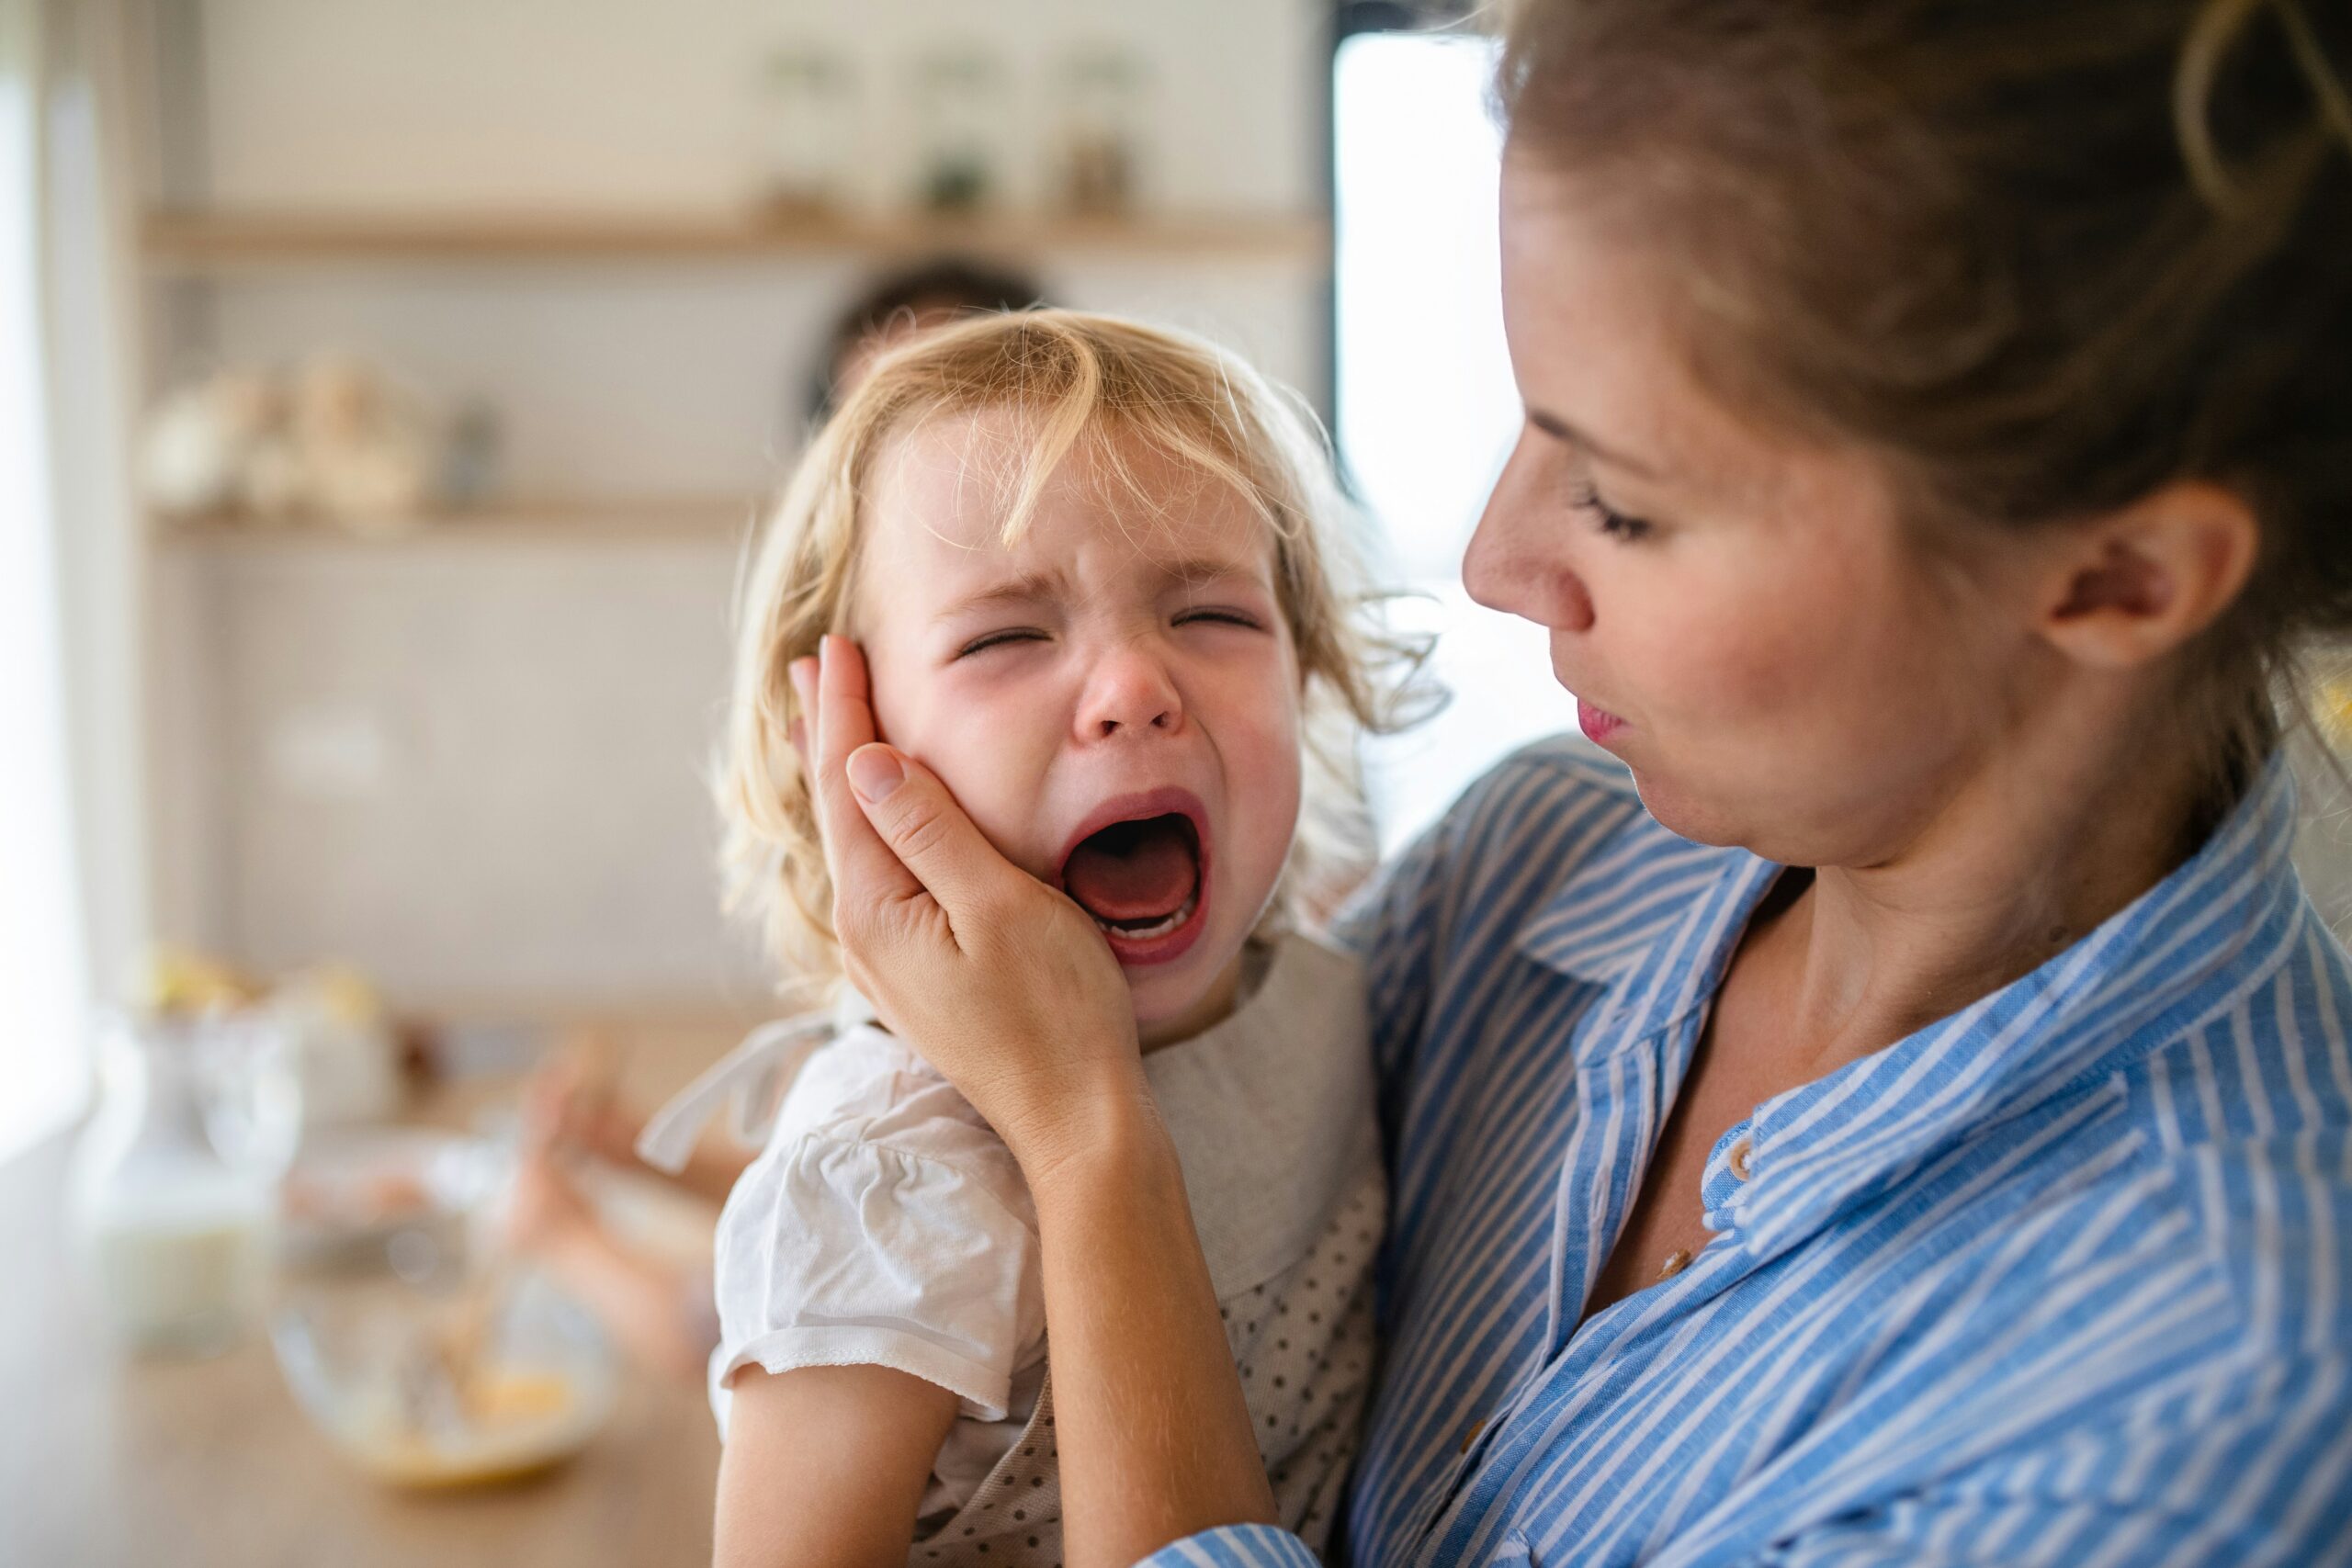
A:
(2216, 29)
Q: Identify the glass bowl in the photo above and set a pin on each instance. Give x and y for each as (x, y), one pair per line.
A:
(368, 1358)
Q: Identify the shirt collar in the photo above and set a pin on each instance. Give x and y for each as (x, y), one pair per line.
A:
(2165, 964)
(1655, 919)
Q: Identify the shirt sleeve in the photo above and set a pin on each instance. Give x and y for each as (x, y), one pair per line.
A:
(1234, 1546)
(836, 1251)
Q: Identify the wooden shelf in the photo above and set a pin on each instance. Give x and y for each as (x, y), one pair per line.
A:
(198, 243)
(698, 521)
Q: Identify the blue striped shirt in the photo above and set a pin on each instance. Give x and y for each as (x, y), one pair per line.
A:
(2064, 1277)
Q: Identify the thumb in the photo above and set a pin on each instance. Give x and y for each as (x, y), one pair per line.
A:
(916, 815)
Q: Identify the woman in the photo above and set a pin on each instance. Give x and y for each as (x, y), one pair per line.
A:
(1911, 1120)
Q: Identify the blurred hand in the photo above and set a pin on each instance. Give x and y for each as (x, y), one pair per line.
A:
(565, 1103)
(568, 1104)
(545, 1211)
(1002, 983)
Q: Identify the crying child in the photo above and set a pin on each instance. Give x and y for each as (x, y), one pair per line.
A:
(1096, 570)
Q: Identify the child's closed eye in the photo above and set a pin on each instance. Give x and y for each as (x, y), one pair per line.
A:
(1220, 617)
(1004, 638)
(1007, 637)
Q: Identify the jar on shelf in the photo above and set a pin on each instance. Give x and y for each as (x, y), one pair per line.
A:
(809, 113)
(174, 1184)
(959, 116)
(1100, 148)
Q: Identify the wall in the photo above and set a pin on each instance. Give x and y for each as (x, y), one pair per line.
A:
(569, 103)
(477, 767)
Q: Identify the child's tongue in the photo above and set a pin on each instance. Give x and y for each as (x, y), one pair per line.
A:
(1135, 870)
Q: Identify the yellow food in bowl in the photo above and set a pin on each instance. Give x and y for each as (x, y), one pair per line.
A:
(516, 1422)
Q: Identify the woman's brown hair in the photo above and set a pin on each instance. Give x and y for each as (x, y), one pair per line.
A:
(2044, 256)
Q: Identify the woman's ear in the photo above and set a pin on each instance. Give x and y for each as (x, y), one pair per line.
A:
(2130, 587)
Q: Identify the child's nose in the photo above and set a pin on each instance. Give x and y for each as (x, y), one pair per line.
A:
(1130, 692)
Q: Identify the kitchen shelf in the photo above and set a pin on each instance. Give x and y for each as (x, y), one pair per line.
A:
(700, 520)
(200, 244)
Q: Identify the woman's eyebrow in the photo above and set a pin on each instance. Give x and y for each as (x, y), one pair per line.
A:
(1560, 429)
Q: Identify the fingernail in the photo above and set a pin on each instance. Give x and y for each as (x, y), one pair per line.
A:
(875, 771)
(824, 651)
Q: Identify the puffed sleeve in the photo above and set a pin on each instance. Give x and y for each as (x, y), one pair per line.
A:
(916, 1251)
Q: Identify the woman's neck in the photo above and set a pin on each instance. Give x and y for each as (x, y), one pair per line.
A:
(2024, 859)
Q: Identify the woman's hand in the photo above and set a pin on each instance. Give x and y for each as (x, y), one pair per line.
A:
(1004, 984)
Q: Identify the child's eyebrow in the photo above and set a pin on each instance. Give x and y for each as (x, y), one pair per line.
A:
(1203, 570)
(1031, 586)
(1026, 589)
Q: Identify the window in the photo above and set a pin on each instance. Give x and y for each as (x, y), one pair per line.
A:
(41, 979)
(1426, 406)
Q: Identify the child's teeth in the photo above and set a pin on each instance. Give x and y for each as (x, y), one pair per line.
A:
(1157, 929)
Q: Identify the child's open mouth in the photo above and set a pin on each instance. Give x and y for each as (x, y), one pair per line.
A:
(1142, 879)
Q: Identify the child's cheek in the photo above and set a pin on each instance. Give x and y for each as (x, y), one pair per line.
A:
(992, 753)
(1257, 734)
(1259, 703)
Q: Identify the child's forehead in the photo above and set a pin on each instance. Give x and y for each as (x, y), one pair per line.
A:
(944, 491)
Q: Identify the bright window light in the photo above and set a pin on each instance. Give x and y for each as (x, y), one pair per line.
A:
(1427, 406)
(41, 987)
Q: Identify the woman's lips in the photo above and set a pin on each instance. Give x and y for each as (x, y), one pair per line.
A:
(1597, 724)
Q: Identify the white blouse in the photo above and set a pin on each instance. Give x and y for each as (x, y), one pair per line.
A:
(885, 1224)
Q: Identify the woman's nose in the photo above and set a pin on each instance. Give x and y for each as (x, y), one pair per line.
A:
(1129, 692)
(1518, 560)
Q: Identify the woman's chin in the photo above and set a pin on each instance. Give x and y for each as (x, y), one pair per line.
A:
(1701, 820)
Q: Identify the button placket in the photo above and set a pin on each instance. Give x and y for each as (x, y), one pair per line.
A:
(1729, 1182)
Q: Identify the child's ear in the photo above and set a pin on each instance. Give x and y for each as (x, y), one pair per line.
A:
(2131, 587)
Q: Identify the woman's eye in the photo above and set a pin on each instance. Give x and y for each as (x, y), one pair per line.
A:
(1614, 523)
(1000, 639)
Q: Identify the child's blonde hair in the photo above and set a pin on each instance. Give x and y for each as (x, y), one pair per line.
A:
(1074, 378)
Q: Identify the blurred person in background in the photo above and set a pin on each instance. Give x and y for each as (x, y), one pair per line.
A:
(901, 304)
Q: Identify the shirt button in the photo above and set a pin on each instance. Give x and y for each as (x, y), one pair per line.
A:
(1737, 1158)
(1471, 1436)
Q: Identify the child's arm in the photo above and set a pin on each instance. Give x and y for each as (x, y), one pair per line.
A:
(825, 1466)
